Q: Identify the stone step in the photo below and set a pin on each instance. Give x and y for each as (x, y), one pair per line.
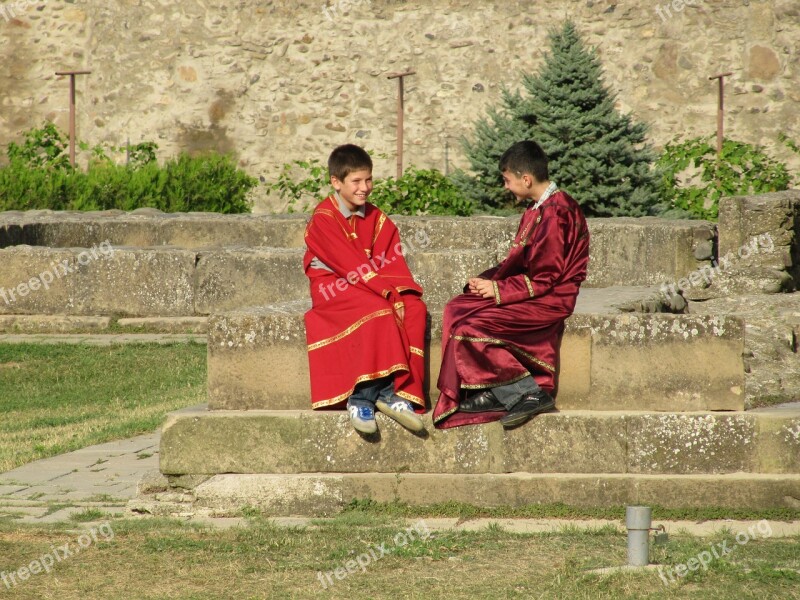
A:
(324, 494)
(197, 441)
(257, 359)
(625, 251)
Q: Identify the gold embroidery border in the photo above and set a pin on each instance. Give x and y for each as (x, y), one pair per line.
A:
(411, 398)
(529, 284)
(481, 386)
(538, 361)
(349, 330)
(496, 292)
(417, 351)
(361, 379)
(442, 417)
(378, 228)
(369, 276)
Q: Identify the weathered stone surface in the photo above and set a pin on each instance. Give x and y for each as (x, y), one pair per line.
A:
(286, 442)
(52, 323)
(229, 279)
(771, 343)
(690, 443)
(279, 494)
(167, 325)
(97, 281)
(324, 494)
(196, 441)
(65, 229)
(759, 244)
(258, 359)
(644, 251)
(624, 251)
(568, 442)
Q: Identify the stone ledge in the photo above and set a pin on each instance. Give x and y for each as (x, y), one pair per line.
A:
(323, 494)
(257, 359)
(625, 251)
(200, 442)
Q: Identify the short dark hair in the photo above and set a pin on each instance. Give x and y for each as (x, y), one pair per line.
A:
(525, 157)
(347, 158)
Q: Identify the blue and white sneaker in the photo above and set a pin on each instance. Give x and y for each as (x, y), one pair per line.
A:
(362, 417)
(401, 411)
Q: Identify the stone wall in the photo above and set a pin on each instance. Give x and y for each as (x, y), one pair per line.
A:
(276, 81)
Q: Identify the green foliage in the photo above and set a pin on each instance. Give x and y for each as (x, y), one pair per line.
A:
(417, 192)
(420, 192)
(597, 154)
(693, 179)
(303, 183)
(39, 176)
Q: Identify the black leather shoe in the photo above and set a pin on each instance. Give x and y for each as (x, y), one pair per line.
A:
(528, 406)
(483, 402)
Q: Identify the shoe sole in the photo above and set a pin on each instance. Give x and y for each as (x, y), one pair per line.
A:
(364, 428)
(520, 419)
(410, 421)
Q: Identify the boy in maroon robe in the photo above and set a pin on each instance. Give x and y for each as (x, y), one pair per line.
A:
(500, 338)
(366, 327)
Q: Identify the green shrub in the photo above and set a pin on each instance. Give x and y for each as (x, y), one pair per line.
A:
(693, 179)
(417, 192)
(39, 176)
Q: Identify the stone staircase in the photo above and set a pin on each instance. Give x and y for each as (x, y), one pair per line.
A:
(651, 404)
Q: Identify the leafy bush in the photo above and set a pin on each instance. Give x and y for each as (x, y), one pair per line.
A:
(417, 192)
(693, 179)
(39, 176)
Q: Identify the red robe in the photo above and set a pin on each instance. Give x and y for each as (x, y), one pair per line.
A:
(500, 340)
(353, 330)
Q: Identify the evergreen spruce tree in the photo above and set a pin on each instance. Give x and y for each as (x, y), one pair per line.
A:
(494, 134)
(596, 154)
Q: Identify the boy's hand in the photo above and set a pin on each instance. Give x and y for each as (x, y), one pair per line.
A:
(481, 287)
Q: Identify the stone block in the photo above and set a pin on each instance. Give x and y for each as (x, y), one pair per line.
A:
(286, 442)
(643, 251)
(228, 279)
(258, 360)
(201, 442)
(108, 280)
(324, 494)
(682, 362)
(759, 243)
(567, 442)
(692, 443)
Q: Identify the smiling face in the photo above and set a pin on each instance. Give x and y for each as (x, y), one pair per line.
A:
(519, 185)
(355, 189)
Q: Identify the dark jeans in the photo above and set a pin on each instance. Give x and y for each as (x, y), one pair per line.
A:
(368, 392)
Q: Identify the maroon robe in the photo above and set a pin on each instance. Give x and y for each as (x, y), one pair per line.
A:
(487, 342)
(353, 330)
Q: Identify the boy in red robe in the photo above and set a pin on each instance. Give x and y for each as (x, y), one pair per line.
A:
(366, 327)
(500, 338)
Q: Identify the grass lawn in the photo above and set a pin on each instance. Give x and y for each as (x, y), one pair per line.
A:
(58, 398)
(156, 559)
